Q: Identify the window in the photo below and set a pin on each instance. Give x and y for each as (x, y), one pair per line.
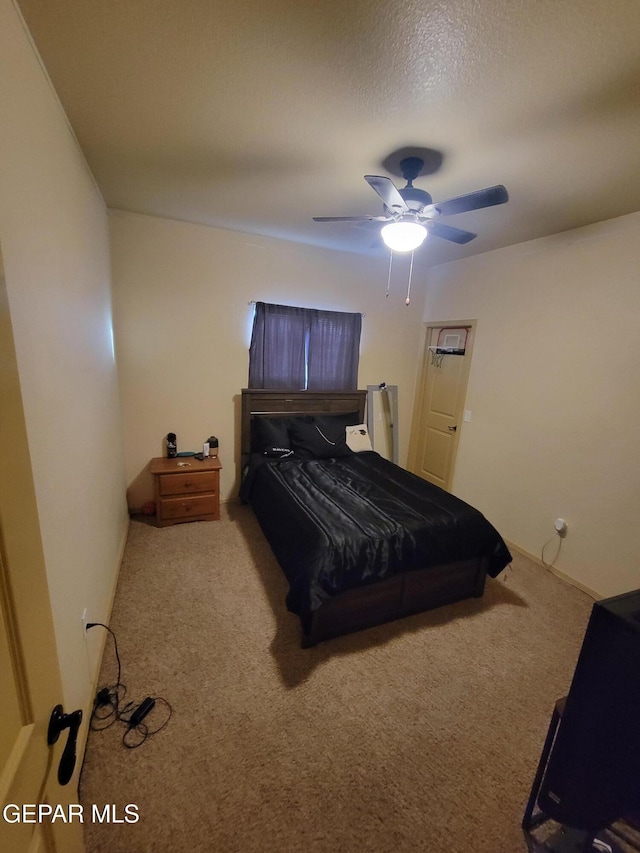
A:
(304, 348)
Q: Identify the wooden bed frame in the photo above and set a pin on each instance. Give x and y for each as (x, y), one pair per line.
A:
(384, 601)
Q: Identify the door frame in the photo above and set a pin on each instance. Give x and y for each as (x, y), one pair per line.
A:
(31, 766)
(422, 389)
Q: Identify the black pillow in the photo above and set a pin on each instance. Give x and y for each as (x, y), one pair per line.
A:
(333, 426)
(323, 438)
(269, 432)
(278, 452)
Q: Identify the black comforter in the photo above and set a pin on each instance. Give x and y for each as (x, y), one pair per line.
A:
(337, 523)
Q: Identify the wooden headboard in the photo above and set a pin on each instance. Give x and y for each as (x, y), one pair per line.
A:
(269, 403)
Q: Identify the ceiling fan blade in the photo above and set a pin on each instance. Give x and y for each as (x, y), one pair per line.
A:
(448, 232)
(388, 192)
(350, 218)
(471, 201)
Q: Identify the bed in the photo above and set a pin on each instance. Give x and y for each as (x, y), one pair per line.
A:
(360, 540)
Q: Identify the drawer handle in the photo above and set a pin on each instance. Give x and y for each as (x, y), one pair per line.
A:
(188, 483)
(187, 507)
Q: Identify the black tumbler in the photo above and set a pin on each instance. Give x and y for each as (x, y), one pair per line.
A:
(172, 445)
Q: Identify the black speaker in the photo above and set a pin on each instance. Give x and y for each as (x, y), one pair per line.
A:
(172, 445)
(592, 776)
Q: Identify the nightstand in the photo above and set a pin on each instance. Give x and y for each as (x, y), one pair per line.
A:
(186, 489)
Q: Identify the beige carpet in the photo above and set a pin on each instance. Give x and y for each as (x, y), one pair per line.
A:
(420, 735)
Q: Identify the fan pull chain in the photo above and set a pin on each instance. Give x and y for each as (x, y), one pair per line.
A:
(389, 277)
(408, 299)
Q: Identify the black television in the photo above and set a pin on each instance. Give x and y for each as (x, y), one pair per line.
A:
(592, 775)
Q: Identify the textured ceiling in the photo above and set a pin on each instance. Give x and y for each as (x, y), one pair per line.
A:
(257, 115)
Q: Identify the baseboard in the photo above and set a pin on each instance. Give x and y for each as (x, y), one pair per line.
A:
(83, 734)
(561, 575)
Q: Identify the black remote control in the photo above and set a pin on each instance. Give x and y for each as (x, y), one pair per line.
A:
(141, 712)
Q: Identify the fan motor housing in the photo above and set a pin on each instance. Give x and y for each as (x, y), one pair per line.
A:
(414, 198)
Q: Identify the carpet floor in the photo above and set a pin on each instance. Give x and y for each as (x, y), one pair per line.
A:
(419, 735)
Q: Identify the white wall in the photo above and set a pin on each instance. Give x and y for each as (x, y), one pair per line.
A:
(183, 324)
(54, 236)
(554, 395)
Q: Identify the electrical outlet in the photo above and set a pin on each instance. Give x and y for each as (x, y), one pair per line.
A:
(561, 527)
(84, 622)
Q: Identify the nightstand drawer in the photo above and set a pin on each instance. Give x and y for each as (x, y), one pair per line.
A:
(185, 508)
(188, 483)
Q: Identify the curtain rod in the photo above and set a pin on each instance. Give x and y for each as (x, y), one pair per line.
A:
(253, 302)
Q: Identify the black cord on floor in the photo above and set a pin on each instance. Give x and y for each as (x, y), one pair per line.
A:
(109, 706)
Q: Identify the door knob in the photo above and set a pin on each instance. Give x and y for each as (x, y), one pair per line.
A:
(58, 722)
(452, 428)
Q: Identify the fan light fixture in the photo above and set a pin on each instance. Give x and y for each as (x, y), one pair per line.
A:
(403, 236)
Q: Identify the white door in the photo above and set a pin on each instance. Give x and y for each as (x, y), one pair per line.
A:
(438, 411)
(29, 674)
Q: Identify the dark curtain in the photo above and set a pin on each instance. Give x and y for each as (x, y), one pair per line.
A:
(304, 348)
(334, 351)
(277, 355)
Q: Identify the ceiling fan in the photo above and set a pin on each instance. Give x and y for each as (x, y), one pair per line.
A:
(410, 213)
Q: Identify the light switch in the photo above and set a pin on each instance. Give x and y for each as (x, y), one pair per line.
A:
(467, 415)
